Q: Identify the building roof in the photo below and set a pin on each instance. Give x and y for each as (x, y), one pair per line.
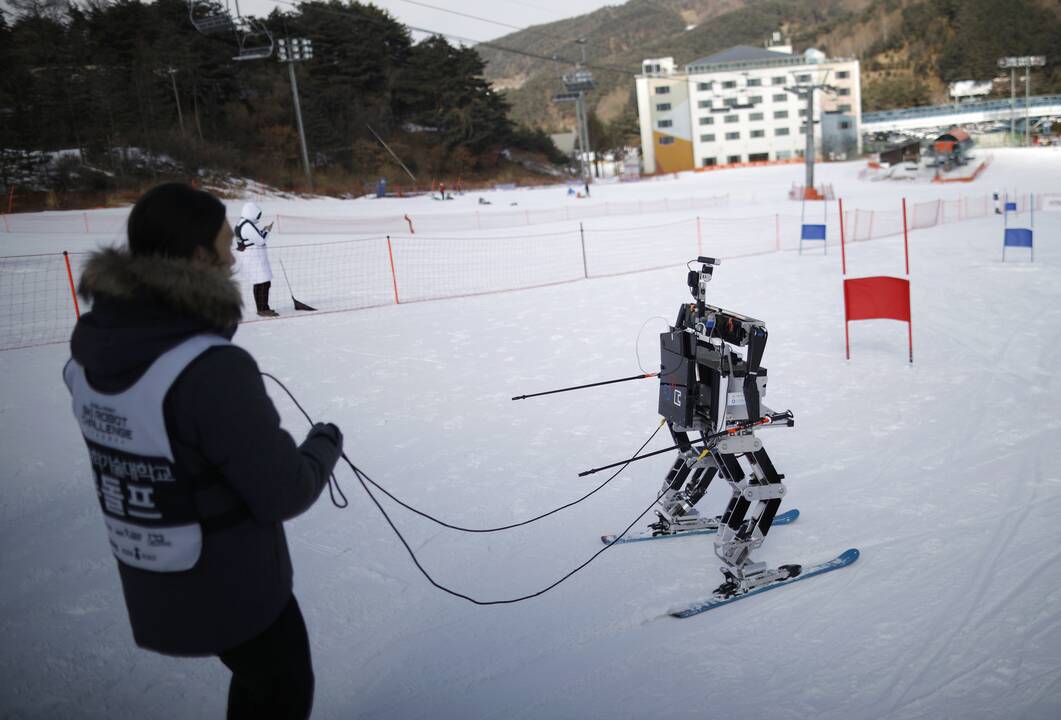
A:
(740, 53)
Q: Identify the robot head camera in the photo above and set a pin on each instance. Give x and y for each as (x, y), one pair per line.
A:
(698, 279)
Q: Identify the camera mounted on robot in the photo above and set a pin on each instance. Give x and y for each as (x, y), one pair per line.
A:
(698, 279)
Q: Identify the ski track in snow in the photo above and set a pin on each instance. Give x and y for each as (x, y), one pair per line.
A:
(946, 475)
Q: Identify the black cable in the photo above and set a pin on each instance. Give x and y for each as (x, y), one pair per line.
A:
(509, 601)
(443, 523)
(362, 477)
(435, 520)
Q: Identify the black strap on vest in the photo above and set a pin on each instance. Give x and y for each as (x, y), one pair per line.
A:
(242, 244)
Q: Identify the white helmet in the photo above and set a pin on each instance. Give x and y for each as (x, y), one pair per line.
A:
(251, 211)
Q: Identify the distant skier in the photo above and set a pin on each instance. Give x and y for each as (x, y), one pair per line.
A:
(997, 197)
(194, 475)
(254, 264)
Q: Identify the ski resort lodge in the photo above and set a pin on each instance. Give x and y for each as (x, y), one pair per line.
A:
(733, 107)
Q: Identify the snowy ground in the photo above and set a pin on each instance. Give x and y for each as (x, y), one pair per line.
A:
(945, 474)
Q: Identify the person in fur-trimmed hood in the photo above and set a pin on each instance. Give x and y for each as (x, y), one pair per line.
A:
(194, 474)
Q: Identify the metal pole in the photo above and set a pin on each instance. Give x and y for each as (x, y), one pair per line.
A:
(1012, 103)
(1027, 107)
(180, 114)
(809, 159)
(298, 116)
(585, 113)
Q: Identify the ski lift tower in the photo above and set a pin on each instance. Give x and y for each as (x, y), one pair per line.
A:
(253, 39)
(576, 86)
(1027, 62)
(291, 51)
(805, 91)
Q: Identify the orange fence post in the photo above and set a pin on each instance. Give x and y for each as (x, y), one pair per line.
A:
(73, 292)
(394, 275)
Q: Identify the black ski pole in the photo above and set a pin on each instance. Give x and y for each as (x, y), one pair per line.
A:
(785, 416)
(628, 460)
(298, 305)
(580, 387)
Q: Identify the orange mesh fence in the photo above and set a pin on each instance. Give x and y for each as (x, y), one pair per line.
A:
(36, 305)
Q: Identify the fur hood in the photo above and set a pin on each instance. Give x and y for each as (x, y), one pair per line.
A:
(209, 294)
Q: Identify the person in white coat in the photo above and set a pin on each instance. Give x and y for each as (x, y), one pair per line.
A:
(254, 261)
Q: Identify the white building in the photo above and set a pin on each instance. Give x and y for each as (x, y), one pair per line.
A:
(732, 107)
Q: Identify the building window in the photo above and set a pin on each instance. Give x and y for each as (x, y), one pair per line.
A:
(704, 104)
(667, 140)
(730, 102)
(733, 136)
(803, 112)
(780, 97)
(844, 125)
(777, 80)
(841, 74)
(780, 114)
(755, 116)
(803, 78)
(707, 120)
(731, 118)
(664, 123)
(662, 107)
(758, 133)
(729, 84)
(703, 86)
(845, 108)
(843, 91)
(784, 154)
(732, 159)
(755, 82)
(780, 131)
(758, 157)
(663, 89)
(709, 137)
(710, 162)
(755, 99)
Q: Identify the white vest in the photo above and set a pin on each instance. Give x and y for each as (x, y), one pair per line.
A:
(150, 513)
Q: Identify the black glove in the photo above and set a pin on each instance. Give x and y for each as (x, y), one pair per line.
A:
(329, 431)
(241, 246)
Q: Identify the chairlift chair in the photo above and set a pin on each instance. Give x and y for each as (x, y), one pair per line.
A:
(253, 39)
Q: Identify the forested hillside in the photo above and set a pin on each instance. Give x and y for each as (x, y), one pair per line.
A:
(100, 79)
(909, 49)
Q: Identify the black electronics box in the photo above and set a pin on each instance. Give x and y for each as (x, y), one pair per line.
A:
(677, 378)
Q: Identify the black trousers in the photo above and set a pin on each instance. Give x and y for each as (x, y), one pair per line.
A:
(272, 674)
(261, 295)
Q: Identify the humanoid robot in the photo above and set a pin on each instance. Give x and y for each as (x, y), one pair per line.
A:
(707, 389)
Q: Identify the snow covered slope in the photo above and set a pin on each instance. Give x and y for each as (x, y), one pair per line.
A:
(946, 474)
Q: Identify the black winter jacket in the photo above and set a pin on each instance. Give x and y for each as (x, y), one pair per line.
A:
(220, 423)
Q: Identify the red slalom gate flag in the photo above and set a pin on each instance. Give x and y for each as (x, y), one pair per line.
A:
(877, 298)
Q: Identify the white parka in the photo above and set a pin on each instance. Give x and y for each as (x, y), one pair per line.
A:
(254, 264)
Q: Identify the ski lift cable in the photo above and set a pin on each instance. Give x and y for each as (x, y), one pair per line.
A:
(504, 24)
(464, 39)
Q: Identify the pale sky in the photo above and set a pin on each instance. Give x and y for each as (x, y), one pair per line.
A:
(521, 13)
